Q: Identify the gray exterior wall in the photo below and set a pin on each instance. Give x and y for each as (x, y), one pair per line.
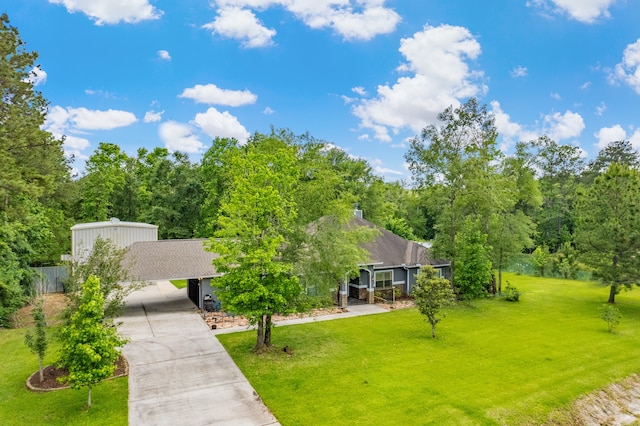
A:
(404, 278)
(121, 234)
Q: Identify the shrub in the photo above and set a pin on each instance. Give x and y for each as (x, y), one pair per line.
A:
(511, 294)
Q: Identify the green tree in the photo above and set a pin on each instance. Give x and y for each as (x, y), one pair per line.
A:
(540, 259)
(455, 161)
(431, 294)
(104, 175)
(33, 169)
(608, 227)
(90, 342)
(214, 172)
(399, 226)
(37, 340)
(104, 261)
(611, 315)
(559, 167)
(621, 152)
(324, 247)
(254, 221)
(511, 227)
(474, 263)
(566, 261)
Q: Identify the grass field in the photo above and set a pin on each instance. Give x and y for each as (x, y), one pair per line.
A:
(179, 283)
(493, 363)
(19, 406)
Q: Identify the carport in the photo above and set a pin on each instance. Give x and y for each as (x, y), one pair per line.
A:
(174, 260)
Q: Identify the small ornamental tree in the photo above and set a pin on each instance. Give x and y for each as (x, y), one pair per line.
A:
(90, 342)
(611, 315)
(540, 259)
(431, 294)
(37, 340)
(105, 262)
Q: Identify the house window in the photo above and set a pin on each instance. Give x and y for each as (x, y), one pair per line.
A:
(384, 279)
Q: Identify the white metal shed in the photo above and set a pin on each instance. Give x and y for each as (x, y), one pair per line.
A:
(121, 234)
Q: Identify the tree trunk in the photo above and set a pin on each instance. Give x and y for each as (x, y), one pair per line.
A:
(267, 331)
(89, 398)
(433, 331)
(612, 294)
(260, 336)
(614, 286)
(41, 374)
(500, 280)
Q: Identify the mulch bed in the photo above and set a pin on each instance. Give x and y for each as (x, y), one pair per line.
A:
(51, 374)
(217, 320)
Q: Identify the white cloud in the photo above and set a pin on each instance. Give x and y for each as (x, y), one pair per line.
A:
(164, 55)
(112, 11)
(76, 143)
(510, 131)
(615, 133)
(68, 122)
(557, 126)
(440, 76)
(600, 109)
(586, 11)
(519, 71)
(268, 111)
(347, 99)
(585, 85)
(37, 76)
(351, 19)
(60, 120)
(83, 118)
(179, 137)
(98, 92)
(628, 71)
(213, 95)
(635, 139)
(359, 90)
(221, 124)
(556, 96)
(241, 24)
(152, 116)
(378, 167)
(610, 134)
(563, 126)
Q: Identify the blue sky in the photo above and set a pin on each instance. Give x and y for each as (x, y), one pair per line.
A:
(365, 75)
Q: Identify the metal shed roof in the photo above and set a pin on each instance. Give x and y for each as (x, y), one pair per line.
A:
(114, 222)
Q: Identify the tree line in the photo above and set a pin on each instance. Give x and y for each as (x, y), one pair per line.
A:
(478, 206)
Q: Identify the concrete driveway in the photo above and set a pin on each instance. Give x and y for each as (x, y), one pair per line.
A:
(179, 374)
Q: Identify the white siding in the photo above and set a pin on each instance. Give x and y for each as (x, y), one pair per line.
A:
(121, 234)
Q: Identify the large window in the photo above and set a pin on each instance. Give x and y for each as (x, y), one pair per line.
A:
(384, 279)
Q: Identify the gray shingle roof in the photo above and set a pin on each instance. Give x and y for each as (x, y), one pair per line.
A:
(169, 259)
(183, 259)
(389, 249)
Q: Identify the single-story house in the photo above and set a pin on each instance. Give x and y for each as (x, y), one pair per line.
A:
(394, 262)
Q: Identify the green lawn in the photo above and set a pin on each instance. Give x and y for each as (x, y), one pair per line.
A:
(493, 363)
(179, 283)
(19, 406)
